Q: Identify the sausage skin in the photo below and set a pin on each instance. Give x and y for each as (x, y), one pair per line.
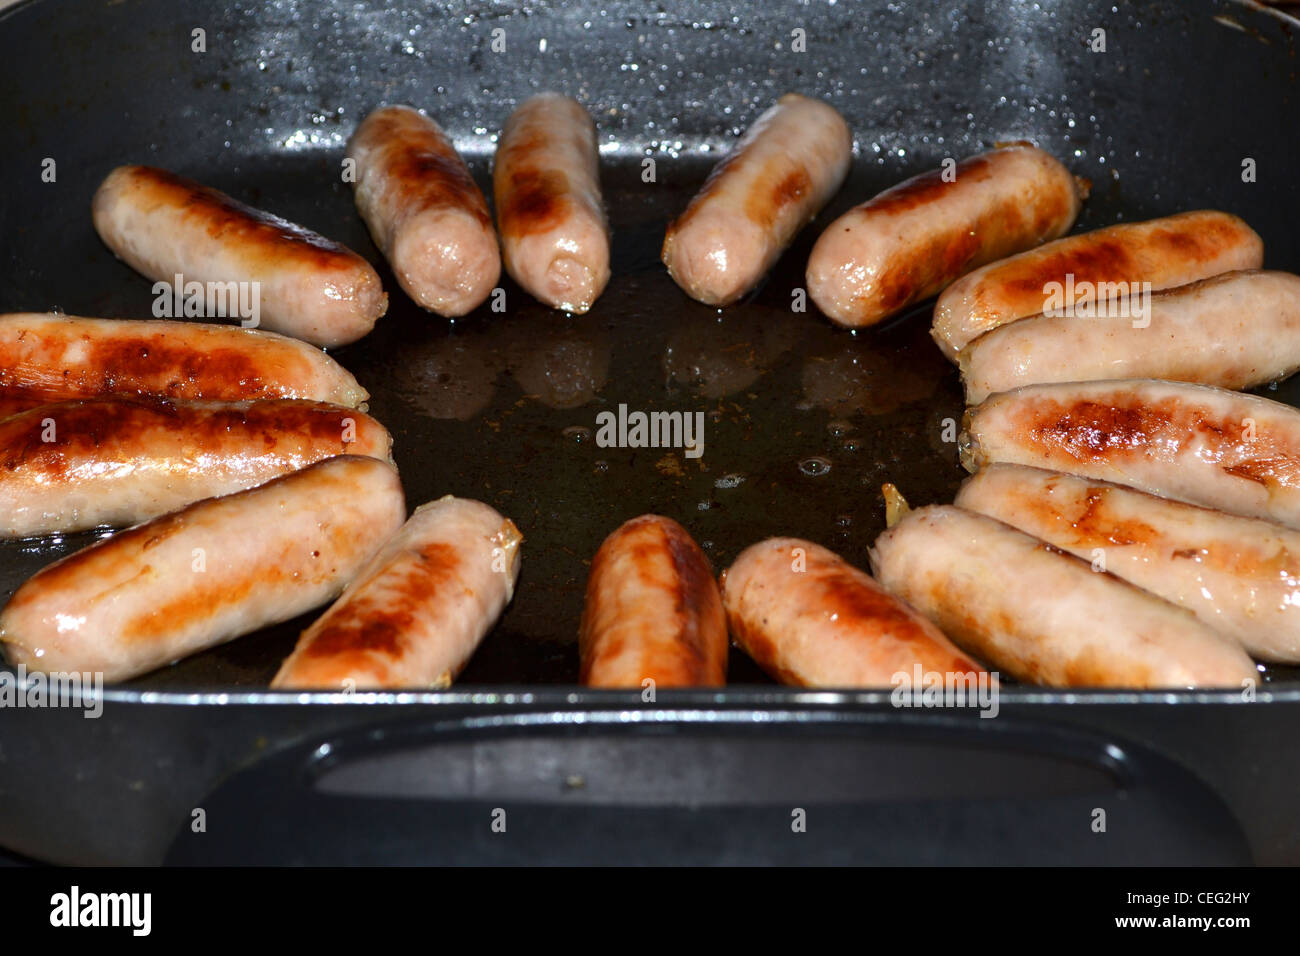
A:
(78, 465)
(652, 611)
(913, 239)
(424, 210)
(1235, 330)
(546, 178)
(1166, 252)
(414, 614)
(1205, 446)
(162, 226)
(785, 168)
(1045, 616)
(47, 358)
(218, 569)
(811, 619)
(1240, 576)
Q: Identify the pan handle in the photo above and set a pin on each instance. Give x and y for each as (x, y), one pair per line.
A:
(717, 787)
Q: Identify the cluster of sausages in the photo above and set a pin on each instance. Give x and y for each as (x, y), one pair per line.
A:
(253, 485)
(1149, 515)
(422, 207)
(1146, 514)
(253, 488)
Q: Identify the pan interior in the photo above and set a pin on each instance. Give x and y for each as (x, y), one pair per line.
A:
(803, 421)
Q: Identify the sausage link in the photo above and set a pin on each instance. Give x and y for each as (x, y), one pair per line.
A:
(913, 239)
(652, 611)
(414, 615)
(1240, 576)
(554, 237)
(220, 568)
(1165, 252)
(785, 168)
(1205, 446)
(1235, 331)
(1044, 616)
(811, 619)
(78, 465)
(309, 287)
(49, 358)
(424, 210)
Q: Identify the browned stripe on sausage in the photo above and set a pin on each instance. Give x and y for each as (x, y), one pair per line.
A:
(198, 603)
(950, 254)
(97, 429)
(268, 237)
(699, 607)
(533, 199)
(422, 165)
(869, 612)
(154, 364)
(1094, 430)
(776, 190)
(1094, 259)
(302, 562)
(13, 401)
(383, 625)
(1118, 253)
(1095, 523)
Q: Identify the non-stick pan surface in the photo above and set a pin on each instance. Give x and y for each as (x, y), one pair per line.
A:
(803, 421)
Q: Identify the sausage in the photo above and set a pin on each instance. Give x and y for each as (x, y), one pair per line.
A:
(1165, 252)
(546, 179)
(13, 401)
(652, 611)
(309, 287)
(48, 358)
(415, 613)
(913, 239)
(1240, 576)
(810, 618)
(424, 210)
(202, 576)
(78, 465)
(1205, 446)
(1045, 616)
(1236, 330)
(785, 168)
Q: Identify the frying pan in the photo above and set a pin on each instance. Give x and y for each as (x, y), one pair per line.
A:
(803, 421)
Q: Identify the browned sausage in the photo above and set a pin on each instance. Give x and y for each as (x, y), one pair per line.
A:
(424, 210)
(1164, 252)
(912, 240)
(810, 618)
(310, 287)
(785, 168)
(77, 465)
(554, 236)
(45, 358)
(220, 568)
(413, 616)
(652, 611)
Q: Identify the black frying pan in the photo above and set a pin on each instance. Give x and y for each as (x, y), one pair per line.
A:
(805, 421)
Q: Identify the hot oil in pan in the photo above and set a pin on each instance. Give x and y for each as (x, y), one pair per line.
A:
(802, 422)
